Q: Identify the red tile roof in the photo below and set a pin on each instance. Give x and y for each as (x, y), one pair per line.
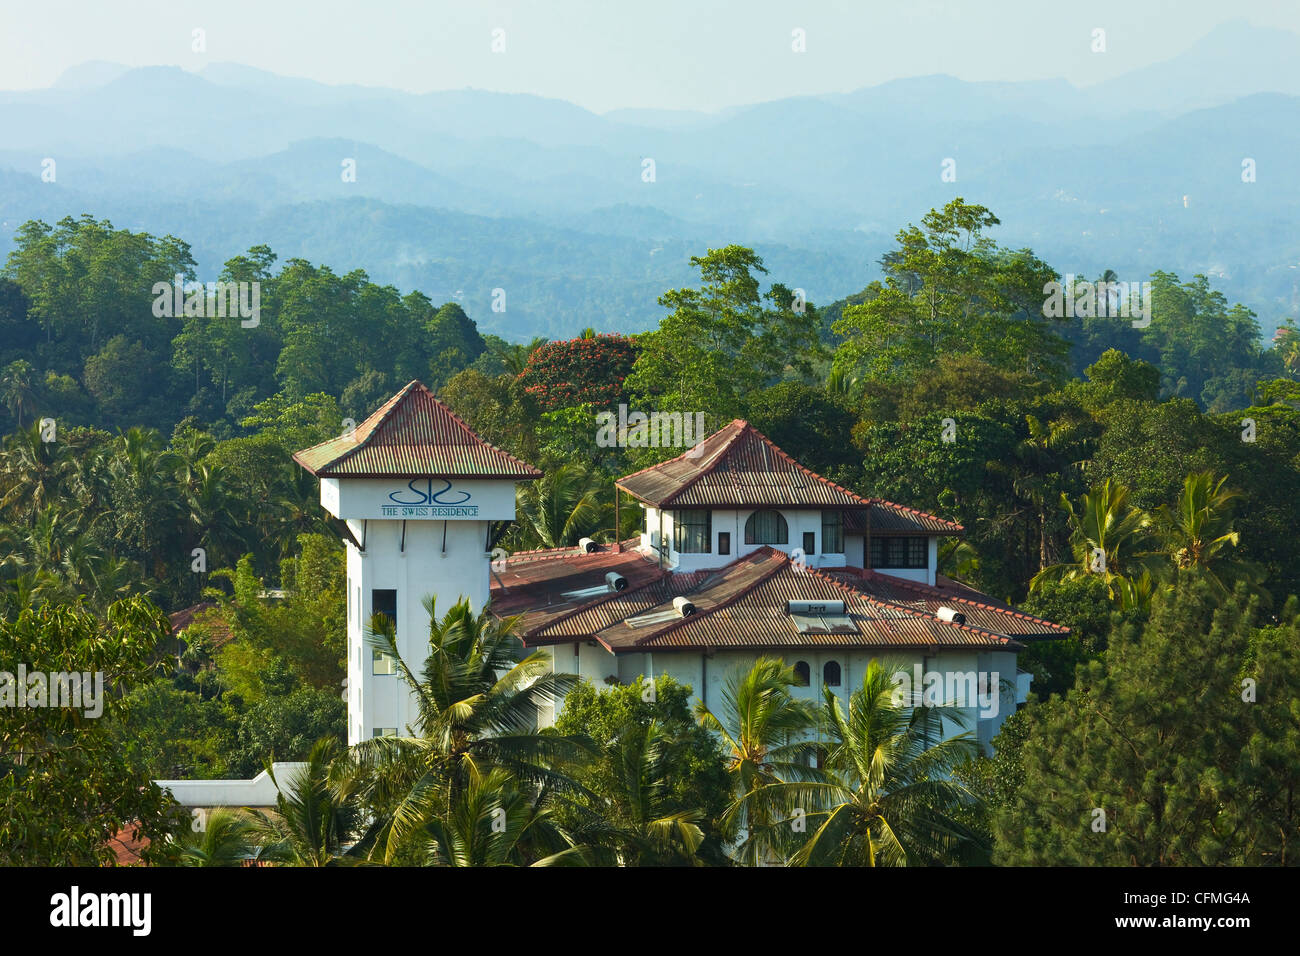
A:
(736, 467)
(980, 610)
(412, 435)
(890, 518)
(744, 605)
(534, 584)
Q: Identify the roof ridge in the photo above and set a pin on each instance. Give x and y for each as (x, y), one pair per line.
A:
(596, 602)
(782, 560)
(804, 468)
(938, 592)
(387, 401)
(712, 462)
(475, 435)
(871, 599)
(741, 429)
(381, 415)
(666, 461)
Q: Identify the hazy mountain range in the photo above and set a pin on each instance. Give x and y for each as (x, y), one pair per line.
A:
(457, 193)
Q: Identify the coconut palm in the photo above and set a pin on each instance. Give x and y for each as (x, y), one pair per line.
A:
(493, 822)
(1108, 537)
(18, 390)
(559, 508)
(477, 707)
(32, 472)
(1041, 469)
(636, 823)
(224, 840)
(764, 730)
(515, 357)
(1196, 533)
(318, 819)
(887, 796)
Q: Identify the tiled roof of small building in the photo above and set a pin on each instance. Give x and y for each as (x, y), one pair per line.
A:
(412, 435)
(736, 467)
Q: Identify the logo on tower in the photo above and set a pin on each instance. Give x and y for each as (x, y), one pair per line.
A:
(419, 500)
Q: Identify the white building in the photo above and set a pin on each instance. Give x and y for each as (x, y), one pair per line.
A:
(744, 552)
(424, 500)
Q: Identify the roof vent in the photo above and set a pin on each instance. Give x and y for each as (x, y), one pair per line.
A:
(587, 546)
(684, 607)
(951, 616)
(615, 581)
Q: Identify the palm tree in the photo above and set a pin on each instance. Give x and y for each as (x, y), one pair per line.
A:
(1043, 462)
(18, 390)
(494, 823)
(560, 508)
(637, 823)
(515, 357)
(763, 728)
(1197, 532)
(225, 840)
(319, 818)
(477, 710)
(843, 385)
(887, 797)
(32, 472)
(1107, 537)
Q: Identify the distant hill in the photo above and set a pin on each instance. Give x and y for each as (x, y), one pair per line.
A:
(474, 189)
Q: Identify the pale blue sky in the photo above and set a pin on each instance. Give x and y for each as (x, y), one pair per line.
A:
(605, 54)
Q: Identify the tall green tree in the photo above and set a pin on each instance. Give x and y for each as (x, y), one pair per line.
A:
(1178, 748)
(723, 340)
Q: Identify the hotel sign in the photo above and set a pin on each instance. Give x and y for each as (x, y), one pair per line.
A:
(432, 499)
(419, 500)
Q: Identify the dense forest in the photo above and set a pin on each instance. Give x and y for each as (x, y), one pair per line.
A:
(1135, 482)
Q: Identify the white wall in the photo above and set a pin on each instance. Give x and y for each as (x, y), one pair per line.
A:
(423, 569)
(798, 521)
(257, 792)
(855, 545)
(707, 677)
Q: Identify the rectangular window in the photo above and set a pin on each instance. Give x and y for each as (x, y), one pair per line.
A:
(692, 531)
(382, 663)
(384, 601)
(832, 532)
(908, 552)
(809, 542)
(384, 732)
(724, 542)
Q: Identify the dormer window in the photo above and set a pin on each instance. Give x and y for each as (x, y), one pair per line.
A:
(766, 527)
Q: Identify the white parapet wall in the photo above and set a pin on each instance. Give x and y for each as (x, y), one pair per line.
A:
(258, 792)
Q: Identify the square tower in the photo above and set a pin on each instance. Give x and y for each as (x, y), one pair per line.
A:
(424, 500)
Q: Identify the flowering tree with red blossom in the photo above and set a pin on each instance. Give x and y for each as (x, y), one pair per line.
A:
(585, 371)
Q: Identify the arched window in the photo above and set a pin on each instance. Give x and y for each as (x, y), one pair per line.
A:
(802, 673)
(766, 527)
(831, 674)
